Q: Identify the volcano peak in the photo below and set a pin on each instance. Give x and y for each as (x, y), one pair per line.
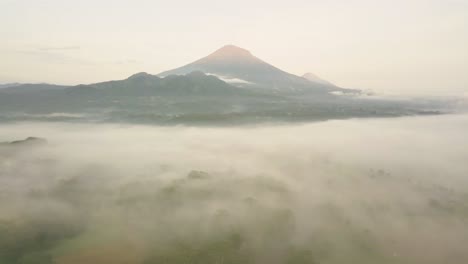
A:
(234, 63)
(232, 49)
(231, 52)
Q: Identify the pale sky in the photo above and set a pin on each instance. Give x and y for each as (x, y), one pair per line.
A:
(399, 46)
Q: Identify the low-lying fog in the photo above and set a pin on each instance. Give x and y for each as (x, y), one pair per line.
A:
(354, 191)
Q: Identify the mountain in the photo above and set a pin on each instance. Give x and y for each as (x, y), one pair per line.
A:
(239, 67)
(7, 85)
(228, 67)
(195, 83)
(31, 88)
(315, 79)
(230, 86)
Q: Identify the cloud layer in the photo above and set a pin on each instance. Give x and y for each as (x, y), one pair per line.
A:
(361, 191)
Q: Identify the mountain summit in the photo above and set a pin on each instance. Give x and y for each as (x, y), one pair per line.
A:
(239, 67)
(231, 53)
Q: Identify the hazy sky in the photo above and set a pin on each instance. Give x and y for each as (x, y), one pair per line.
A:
(411, 46)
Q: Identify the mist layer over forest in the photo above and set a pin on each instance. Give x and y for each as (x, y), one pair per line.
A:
(352, 191)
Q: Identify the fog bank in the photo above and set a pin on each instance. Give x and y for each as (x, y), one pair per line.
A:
(354, 191)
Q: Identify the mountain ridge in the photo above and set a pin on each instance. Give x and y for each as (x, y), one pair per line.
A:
(230, 64)
(234, 63)
(314, 78)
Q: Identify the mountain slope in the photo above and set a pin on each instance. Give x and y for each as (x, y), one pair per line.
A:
(315, 79)
(195, 83)
(239, 67)
(8, 85)
(32, 88)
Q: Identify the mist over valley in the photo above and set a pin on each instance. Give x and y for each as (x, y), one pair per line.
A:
(365, 191)
(332, 132)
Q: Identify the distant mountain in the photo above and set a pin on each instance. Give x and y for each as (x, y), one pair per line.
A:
(195, 83)
(7, 85)
(239, 67)
(31, 88)
(315, 79)
(230, 86)
(226, 68)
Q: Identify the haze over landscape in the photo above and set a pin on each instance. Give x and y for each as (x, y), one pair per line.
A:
(386, 46)
(247, 132)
